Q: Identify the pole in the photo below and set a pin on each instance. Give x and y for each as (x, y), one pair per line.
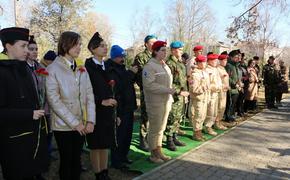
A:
(15, 22)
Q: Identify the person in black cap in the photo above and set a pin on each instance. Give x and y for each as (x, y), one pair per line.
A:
(103, 137)
(185, 57)
(48, 58)
(32, 54)
(270, 81)
(244, 82)
(23, 152)
(233, 93)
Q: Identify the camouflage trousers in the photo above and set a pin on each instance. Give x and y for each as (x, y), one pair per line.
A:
(212, 110)
(175, 116)
(199, 111)
(222, 101)
(144, 124)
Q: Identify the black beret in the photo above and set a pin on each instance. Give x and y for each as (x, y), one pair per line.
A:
(224, 53)
(256, 58)
(95, 41)
(50, 55)
(185, 56)
(9, 35)
(234, 53)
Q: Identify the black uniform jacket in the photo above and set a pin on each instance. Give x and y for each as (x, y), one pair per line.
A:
(23, 147)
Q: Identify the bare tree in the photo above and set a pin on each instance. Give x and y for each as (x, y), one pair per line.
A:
(189, 22)
(52, 17)
(91, 23)
(143, 22)
(255, 28)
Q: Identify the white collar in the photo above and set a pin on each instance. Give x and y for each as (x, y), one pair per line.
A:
(99, 63)
(68, 62)
(31, 65)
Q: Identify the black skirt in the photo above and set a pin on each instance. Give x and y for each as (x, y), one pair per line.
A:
(103, 136)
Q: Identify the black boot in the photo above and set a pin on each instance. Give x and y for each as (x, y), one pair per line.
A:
(106, 175)
(99, 175)
(170, 144)
(254, 104)
(177, 142)
(144, 144)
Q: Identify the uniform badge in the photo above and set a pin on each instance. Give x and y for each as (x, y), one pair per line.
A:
(145, 74)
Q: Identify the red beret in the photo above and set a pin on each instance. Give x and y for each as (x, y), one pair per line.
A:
(223, 56)
(158, 44)
(197, 48)
(200, 58)
(212, 57)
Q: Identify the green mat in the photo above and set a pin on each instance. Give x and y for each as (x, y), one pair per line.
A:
(140, 158)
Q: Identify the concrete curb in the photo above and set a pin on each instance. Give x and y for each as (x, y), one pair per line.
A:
(195, 149)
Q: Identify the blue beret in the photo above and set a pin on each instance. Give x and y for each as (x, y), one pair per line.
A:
(117, 51)
(176, 44)
(151, 36)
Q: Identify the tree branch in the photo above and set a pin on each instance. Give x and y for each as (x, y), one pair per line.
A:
(250, 8)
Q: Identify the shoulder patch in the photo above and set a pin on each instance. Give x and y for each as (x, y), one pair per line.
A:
(145, 74)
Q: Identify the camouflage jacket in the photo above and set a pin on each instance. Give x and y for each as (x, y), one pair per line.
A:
(140, 60)
(178, 71)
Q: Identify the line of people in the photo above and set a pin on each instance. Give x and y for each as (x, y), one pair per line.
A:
(78, 103)
(93, 104)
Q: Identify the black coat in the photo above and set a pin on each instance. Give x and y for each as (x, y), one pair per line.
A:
(125, 91)
(18, 131)
(103, 136)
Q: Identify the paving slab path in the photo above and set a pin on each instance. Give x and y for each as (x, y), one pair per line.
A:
(259, 148)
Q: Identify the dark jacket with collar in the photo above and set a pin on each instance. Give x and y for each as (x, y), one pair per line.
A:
(19, 133)
(102, 91)
(232, 70)
(125, 91)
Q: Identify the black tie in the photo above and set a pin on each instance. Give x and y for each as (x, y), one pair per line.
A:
(101, 66)
(73, 67)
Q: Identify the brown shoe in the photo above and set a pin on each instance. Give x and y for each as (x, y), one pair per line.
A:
(210, 131)
(161, 155)
(219, 126)
(229, 124)
(154, 157)
(198, 136)
(180, 132)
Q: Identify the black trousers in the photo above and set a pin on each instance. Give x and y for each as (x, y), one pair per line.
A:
(124, 137)
(240, 103)
(231, 105)
(270, 94)
(279, 97)
(250, 105)
(70, 144)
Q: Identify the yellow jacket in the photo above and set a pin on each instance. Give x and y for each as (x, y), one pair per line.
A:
(3, 56)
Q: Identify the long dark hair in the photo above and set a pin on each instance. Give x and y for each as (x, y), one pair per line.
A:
(156, 50)
(250, 62)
